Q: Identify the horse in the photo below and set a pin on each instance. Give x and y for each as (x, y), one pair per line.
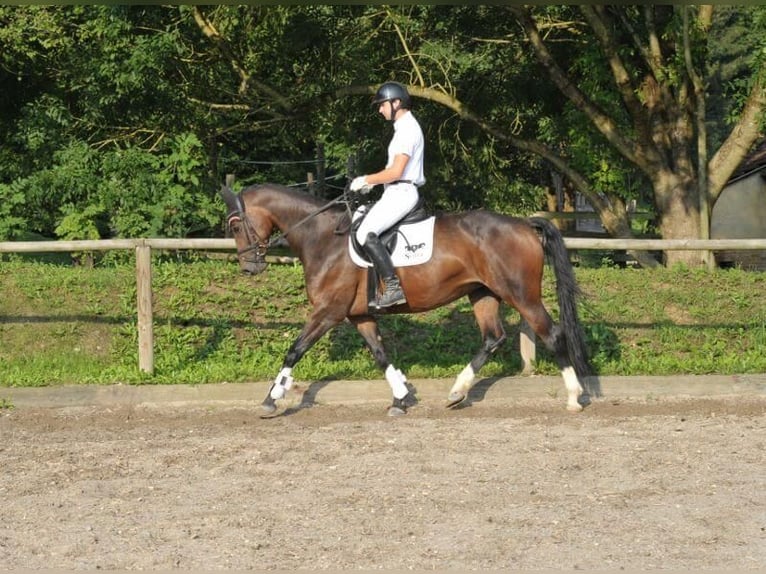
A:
(489, 257)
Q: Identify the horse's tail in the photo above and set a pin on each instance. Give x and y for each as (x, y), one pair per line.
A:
(567, 291)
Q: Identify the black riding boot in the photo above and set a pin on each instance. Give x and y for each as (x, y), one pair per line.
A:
(392, 289)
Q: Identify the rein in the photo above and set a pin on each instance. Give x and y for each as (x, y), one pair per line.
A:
(256, 243)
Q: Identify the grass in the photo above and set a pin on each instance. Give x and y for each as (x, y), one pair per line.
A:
(68, 325)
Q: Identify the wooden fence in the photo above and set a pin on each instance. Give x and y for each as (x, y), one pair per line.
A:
(143, 248)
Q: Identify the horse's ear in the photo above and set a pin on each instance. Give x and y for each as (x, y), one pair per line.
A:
(229, 198)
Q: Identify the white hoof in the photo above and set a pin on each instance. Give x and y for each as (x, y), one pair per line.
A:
(574, 407)
(454, 399)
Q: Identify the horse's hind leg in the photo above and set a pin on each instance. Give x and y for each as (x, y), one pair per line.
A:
(403, 398)
(486, 309)
(554, 339)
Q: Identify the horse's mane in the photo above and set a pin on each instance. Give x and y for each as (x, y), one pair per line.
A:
(296, 195)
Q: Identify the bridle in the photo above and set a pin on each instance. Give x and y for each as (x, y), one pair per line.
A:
(254, 241)
(257, 243)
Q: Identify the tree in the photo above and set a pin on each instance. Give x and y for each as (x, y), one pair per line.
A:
(469, 62)
(656, 57)
(157, 103)
(97, 135)
(634, 81)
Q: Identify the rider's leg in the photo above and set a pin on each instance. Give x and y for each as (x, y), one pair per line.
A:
(396, 201)
(392, 290)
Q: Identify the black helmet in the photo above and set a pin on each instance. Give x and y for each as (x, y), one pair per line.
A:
(392, 91)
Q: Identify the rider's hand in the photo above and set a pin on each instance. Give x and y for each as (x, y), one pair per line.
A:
(360, 184)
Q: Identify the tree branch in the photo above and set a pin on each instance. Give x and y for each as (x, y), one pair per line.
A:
(599, 119)
(405, 47)
(748, 130)
(246, 81)
(704, 21)
(596, 18)
(655, 48)
(640, 46)
(621, 76)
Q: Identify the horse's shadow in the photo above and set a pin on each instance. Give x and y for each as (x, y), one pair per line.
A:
(309, 396)
(478, 393)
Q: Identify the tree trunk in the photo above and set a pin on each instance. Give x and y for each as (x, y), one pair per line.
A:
(678, 207)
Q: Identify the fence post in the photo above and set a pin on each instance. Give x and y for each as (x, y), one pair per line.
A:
(144, 295)
(320, 167)
(527, 347)
(310, 183)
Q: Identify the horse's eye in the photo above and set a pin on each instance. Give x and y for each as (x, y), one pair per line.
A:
(235, 227)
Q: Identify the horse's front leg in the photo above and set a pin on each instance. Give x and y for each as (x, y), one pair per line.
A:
(318, 324)
(403, 397)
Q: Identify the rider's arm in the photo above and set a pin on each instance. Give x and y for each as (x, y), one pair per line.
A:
(392, 173)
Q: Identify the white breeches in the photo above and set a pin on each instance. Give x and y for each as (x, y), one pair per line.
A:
(397, 200)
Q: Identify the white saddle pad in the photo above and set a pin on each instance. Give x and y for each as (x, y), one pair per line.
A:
(414, 245)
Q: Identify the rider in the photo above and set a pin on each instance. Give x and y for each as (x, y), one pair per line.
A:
(401, 178)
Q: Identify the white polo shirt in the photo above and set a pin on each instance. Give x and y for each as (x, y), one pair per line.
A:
(408, 140)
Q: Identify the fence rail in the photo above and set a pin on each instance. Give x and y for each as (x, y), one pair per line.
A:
(224, 244)
(143, 249)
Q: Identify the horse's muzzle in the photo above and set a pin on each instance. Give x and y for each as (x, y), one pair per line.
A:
(253, 267)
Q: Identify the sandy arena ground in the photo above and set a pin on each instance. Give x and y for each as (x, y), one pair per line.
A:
(640, 480)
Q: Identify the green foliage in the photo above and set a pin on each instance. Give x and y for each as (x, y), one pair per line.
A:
(177, 211)
(124, 193)
(211, 324)
(737, 48)
(124, 119)
(80, 223)
(12, 203)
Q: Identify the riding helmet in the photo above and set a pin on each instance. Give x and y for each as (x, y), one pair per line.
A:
(392, 91)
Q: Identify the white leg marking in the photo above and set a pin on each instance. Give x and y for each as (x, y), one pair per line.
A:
(396, 380)
(282, 383)
(464, 382)
(574, 389)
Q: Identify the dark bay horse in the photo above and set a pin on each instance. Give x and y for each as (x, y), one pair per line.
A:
(488, 257)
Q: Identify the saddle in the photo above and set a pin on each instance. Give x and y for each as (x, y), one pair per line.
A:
(410, 242)
(389, 237)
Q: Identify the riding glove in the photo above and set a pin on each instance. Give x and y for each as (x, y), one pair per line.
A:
(360, 184)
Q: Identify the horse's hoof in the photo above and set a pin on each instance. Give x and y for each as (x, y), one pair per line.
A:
(574, 408)
(399, 406)
(455, 399)
(268, 406)
(395, 411)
